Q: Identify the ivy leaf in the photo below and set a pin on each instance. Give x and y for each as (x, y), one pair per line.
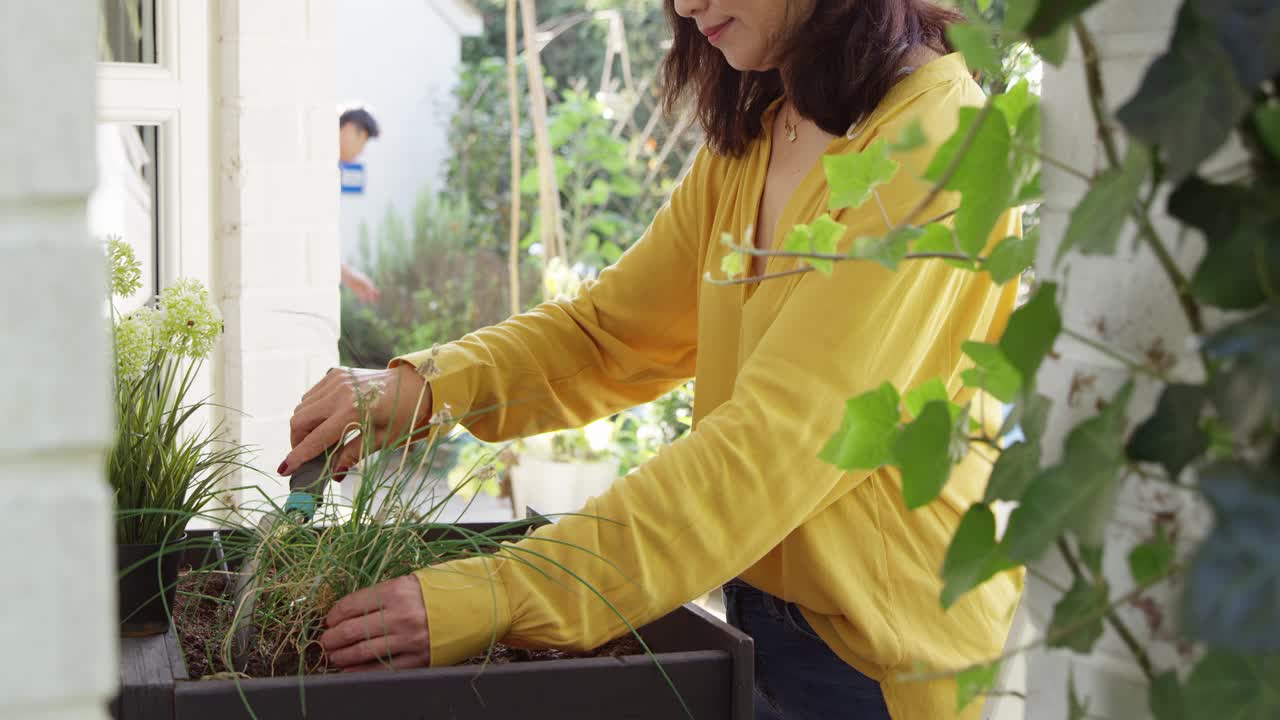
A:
(974, 556)
(1151, 559)
(852, 176)
(939, 238)
(1249, 32)
(1251, 349)
(1013, 472)
(1049, 16)
(819, 238)
(1017, 13)
(1031, 332)
(1267, 119)
(1053, 47)
(1165, 697)
(1026, 149)
(1012, 256)
(865, 438)
(1241, 228)
(1233, 591)
(922, 452)
(1077, 617)
(911, 138)
(1224, 686)
(984, 5)
(1078, 493)
(732, 264)
(1014, 102)
(888, 250)
(1030, 191)
(931, 390)
(1172, 436)
(1028, 416)
(993, 373)
(1190, 100)
(975, 41)
(984, 176)
(1097, 221)
(974, 682)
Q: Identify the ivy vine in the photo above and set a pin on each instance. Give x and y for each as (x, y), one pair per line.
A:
(1215, 434)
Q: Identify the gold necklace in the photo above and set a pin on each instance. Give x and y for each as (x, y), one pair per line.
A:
(787, 126)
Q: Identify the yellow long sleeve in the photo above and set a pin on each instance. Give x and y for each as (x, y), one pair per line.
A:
(744, 492)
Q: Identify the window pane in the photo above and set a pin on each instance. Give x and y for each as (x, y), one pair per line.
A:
(127, 31)
(125, 202)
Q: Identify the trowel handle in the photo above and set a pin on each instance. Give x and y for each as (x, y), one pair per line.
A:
(306, 487)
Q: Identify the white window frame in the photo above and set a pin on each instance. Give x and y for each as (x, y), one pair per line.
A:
(173, 95)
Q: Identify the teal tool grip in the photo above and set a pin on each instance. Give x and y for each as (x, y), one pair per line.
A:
(303, 503)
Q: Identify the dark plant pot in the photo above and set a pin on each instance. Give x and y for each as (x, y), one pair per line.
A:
(148, 584)
(709, 663)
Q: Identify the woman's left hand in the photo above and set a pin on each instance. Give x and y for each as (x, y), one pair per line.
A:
(379, 627)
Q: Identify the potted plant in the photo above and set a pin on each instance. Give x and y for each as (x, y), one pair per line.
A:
(687, 664)
(163, 466)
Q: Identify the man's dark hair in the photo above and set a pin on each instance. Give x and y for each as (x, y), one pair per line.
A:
(840, 63)
(362, 119)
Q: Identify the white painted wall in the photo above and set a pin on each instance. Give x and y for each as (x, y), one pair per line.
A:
(276, 217)
(58, 615)
(400, 59)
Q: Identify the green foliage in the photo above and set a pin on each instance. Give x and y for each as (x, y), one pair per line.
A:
(1097, 221)
(1234, 586)
(974, 39)
(164, 466)
(972, 683)
(852, 177)
(993, 372)
(982, 174)
(1013, 256)
(437, 284)
(889, 250)
(974, 555)
(1078, 493)
(821, 238)
(1191, 99)
(1031, 332)
(1151, 560)
(922, 452)
(604, 197)
(1267, 120)
(1226, 686)
(1077, 617)
(1165, 697)
(866, 435)
(1242, 226)
(1173, 436)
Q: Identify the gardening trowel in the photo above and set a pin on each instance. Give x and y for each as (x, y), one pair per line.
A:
(306, 490)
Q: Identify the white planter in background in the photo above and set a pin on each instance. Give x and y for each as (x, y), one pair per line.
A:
(552, 487)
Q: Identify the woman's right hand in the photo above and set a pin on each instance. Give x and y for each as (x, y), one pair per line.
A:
(396, 405)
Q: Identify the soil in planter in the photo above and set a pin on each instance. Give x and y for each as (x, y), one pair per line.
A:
(201, 622)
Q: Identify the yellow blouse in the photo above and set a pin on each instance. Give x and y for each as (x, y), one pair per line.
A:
(744, 493)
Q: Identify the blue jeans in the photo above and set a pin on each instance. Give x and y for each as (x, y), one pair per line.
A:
(797, 676)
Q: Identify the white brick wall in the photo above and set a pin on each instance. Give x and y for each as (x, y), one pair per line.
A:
(57, 618)
(277, 215)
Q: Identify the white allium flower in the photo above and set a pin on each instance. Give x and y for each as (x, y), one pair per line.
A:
(135, 344)
(126, 271)
(189, 321)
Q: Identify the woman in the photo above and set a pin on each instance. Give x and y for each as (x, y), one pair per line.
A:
(836, 580)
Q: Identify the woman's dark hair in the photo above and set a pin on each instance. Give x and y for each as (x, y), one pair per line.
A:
(840, 63)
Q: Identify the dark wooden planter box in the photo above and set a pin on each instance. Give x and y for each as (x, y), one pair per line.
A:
(708, 661)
